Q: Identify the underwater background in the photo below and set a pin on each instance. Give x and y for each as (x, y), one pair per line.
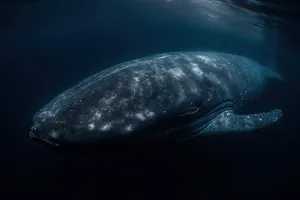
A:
(48, 46)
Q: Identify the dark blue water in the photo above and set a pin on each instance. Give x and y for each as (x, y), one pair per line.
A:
(47, 46)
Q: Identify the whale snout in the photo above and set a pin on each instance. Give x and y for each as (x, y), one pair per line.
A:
(40, 134)
(34, 131)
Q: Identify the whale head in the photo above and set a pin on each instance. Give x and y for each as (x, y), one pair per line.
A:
(66, 127)
(39, 133)
(54, 126)
(48, 130)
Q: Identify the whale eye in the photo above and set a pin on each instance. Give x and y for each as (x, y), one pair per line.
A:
(190, 111)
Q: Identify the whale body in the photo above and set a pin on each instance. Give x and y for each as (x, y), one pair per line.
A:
(172, 96)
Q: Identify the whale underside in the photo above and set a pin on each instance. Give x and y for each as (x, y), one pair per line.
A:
(170, 96)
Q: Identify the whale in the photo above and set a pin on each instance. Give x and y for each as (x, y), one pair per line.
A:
(174, 96)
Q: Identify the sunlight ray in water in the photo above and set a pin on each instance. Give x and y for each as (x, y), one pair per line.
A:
(229, 16)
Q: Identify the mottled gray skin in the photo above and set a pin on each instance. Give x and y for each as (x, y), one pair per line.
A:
(177, 95)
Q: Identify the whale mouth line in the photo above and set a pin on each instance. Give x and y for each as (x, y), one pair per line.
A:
(42, 140)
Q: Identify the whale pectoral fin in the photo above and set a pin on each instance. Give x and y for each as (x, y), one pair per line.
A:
(227, 121)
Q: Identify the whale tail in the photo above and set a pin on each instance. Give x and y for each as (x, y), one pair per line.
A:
(272, 74)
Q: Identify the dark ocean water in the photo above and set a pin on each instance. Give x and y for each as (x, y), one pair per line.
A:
(48, 46)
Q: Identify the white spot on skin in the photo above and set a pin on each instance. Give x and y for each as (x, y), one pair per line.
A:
(110, 99)
(47, 114)
(91, 126)
(206, 59)
(53, 134)
(129, 127)
(225, 120)
(98, 115)
(140, 116)
(176, 73)
(136, 79)
(149, 113)
(106, 127)
(196, 69)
